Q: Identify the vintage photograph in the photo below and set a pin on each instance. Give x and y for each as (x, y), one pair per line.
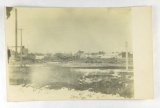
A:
(69, 53)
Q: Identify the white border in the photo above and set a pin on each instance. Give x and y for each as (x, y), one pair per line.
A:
(153, 103)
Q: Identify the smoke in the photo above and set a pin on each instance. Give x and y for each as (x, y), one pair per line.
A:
(40, 76)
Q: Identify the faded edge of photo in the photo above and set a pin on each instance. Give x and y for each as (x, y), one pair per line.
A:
(143, 52)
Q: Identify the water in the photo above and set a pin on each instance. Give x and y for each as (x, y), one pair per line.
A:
(53, 76)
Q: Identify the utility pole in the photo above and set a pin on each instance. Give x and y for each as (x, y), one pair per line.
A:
(21, 46)
(15, 33)
(126, 44)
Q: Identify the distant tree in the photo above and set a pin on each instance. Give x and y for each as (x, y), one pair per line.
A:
(129, 55)
(58, 55)
(80, 52)
(48, 54)
(101, 52)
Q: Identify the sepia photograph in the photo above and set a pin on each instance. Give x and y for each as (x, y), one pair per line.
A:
(69, 53)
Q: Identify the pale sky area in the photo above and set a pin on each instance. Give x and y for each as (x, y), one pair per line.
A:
(71, 29)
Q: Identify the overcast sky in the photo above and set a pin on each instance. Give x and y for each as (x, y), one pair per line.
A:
(71, 29)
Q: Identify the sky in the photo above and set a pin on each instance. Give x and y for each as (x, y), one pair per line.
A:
(51, 30)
